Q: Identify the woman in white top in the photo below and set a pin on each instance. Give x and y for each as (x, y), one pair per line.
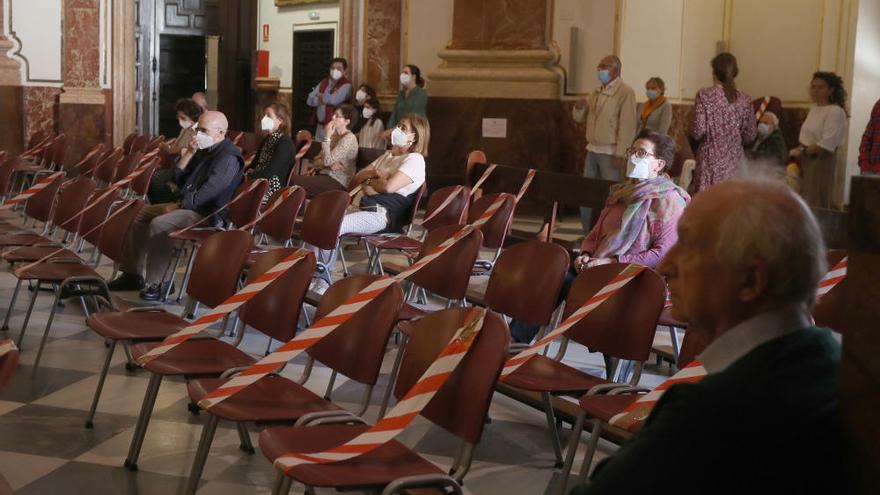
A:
(821, 134)
(370, 135)
(386, 187)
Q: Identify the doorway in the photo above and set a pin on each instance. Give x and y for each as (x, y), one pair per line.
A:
(312, 52)
(181, 73)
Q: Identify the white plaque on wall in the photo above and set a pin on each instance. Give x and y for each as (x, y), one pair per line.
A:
(494, 128)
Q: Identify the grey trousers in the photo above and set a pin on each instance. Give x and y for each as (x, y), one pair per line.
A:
(148, 248)
(597, 166)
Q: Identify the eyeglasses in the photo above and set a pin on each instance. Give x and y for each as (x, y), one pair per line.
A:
(206, 129)
(639, 153)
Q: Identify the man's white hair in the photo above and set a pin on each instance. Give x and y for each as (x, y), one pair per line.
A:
(773, 224)
(773, 118)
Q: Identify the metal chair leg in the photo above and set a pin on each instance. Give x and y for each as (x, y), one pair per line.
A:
(172, 274)
(100, 387)
(551, 425)
(198, 465)
(392, 378)
(27, 315)
(595, 434)
(341, 255)
(186, 273)
(140, 431)
(244, 438)
(572, 450)
(11, 306)
(282, 484)
(48, 327)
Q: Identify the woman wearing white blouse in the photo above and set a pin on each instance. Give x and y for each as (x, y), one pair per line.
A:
(821, 134)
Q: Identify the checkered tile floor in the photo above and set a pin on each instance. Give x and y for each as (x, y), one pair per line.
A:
(45, 448)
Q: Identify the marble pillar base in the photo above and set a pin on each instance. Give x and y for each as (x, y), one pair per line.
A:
(495, 74)
(12, 133)
(84, 125)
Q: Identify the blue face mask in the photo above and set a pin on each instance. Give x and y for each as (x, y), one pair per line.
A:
(652, 94)
(604, 76)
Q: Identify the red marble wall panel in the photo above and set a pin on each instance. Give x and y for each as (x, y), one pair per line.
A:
(39, 109)
(82, 52)
(84, 125)
(11, 131)
(383, 45)
(499, 25)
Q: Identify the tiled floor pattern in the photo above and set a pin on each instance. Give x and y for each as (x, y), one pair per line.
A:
(45, 448)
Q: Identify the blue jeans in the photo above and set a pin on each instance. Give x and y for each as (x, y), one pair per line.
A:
(597, 166)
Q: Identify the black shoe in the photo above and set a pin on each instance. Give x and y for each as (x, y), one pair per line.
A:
(155, 292)
(126, 281)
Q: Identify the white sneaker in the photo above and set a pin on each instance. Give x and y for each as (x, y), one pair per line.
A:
(319, 285)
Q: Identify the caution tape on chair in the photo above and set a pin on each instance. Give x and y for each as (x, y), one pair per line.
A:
(285, 193)
(409, 407)
(486, 174)
(34, 189)
(244, 295)
(637, 412)
(832, 278)
(762, 108)
(39, 147)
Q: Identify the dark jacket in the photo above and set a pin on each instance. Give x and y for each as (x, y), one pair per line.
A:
(772, 149)
(769, 423)
(210, 179)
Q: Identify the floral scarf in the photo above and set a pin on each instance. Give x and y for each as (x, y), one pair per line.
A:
(264, 157)
(644, 201)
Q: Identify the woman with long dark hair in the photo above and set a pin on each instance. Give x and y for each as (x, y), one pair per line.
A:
(723, 123)
(276, 152)
(821, 134)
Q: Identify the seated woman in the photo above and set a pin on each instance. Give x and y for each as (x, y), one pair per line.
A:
(276, 152)
(370, 135)
(162, 186)
(334, 166)
(638, 223)
(389, 187)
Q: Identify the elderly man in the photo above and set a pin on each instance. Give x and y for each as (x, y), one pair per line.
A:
(766, 416)
(206, 179)
(332, 91)
(201, 100)
(770, 146)
(610, 112)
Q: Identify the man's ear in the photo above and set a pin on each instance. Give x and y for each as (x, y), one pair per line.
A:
(754, 280)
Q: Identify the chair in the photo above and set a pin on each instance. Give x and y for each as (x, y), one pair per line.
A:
(105, 171)
(278, 224)
(242, 212)
(7, 169)
(366, 156)
(139, 144)
(495, 229)
(215, 277)
(459, 407)
(622, 328)
(40, 206)
(829, 309)
(355, 350)
(126, 166)
(129, 141)
(71, 200)
(8, 362)
(140, 185)
(321, 223)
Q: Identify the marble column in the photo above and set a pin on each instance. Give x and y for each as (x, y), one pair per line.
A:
(499, 48)
(11, 94)
(384, 41)
(82, 104)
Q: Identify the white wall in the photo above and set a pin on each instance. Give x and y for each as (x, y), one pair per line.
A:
(594, 21)
(282, 21)
(36, 28)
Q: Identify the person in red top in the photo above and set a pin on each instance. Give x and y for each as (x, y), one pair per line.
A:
(332, 91)
(869, 150)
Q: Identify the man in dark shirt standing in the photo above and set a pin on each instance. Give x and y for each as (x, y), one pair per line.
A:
(766, 417)
(207, 179)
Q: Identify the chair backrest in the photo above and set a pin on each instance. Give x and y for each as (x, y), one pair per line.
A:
(37, 137)
(414, 209)
(114, 232)
(366, 156)
(139, 144)
(126, 166)
(7, 168)
(691, 346)
(88, 161)
(448, 274)
(71, 201)
(140, 185)
(461, 404)
(59, 151)
(323, 217)
(217, 266)
(494, 230)
(246, 209)
(829, 309)
(624, 325)
(454, 213)
(40, 205)
(234, 136)
(155, 143)
(106, 169)
(129, 141)
(275, 310)
(279, 223)
(8, 364)
(526, 280)
(96, 215)
(357, 347)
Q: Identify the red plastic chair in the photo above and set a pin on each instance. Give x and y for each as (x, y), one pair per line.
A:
(460, 408)
(321, 223)
(495, 229)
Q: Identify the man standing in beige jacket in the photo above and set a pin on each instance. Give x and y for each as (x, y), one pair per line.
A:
(610, 112)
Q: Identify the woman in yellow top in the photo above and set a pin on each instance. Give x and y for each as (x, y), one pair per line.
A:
(656, 113)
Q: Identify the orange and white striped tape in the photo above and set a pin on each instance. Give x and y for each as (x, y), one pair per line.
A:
(7, 346)
(530, 176)
(92, 152)
(445, 203)
(39, 147)
(409, 407)
(625, 276)
(832, 278)
(253, 185)
(482, 179)
(34, 189)
(639, 410)
(244, 295)
(285, 193)
(762, 108)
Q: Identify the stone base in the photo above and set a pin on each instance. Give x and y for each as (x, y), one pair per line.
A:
(495, 74)
(84, 125)
(12, 135)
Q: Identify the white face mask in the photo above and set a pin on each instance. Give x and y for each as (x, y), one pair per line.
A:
(400, 138)
(335, 74)
(360, 96)
(405, 79)
(184, 124)
(267, 124)
(204, 140)
(369, 112)
(638, 168)
(763, 129)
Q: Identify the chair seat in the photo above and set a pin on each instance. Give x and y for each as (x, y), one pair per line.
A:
(273, 398)
(33, 253)
(25, 239)
(604, 407)
(401, 242)
(194, 235)
(194, 357)
(57, 272)
(313, 298)
(667, 320)
(252, 257)
(410, 312)
(373, 469)
(135, 325)
(542, 374)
